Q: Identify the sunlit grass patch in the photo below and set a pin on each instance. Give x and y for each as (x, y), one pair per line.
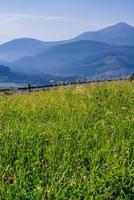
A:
(73, 143)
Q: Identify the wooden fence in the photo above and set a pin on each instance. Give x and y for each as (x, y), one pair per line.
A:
(29, 88)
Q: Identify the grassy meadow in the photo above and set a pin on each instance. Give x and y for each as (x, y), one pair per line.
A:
(68, 144)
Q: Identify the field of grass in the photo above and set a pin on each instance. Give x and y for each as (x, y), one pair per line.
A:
(68, 144)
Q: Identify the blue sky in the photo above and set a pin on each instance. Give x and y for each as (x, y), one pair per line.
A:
(60, 19)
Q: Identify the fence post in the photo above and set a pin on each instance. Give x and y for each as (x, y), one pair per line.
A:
(131, 78)
(29, 88)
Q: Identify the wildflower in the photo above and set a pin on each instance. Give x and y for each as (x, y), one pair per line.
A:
(72, 183)
(10, 180)
(46, 142)
(85, 178)
(44, 162)
(106, 167)
(124, 108)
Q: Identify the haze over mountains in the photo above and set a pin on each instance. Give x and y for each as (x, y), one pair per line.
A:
(109, 51)
(19, 48)
(119, 34)
(57, 59)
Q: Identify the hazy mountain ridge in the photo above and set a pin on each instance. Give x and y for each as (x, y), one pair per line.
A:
(118, 34)
(57, 60)
(8, 76)
(53, 59)
(107, 51)
(19, 48)
(112, 64)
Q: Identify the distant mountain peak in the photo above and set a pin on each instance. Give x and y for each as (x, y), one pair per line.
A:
(123, 25)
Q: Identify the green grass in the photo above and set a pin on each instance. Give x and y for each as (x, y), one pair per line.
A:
(75, 143)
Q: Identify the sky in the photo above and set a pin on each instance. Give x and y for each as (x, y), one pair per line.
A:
(52, 20)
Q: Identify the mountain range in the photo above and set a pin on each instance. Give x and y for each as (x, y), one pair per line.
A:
(65, 58)
(109, 52)
(19, 48)
(119, 34)
(8, 76)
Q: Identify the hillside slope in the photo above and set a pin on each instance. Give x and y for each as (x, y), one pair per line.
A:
(8, 76)
(118, 34)
(18, 48)
(74, 143)
(106, 65)
(57, 59)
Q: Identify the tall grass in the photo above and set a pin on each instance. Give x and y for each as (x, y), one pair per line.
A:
(73, 144)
